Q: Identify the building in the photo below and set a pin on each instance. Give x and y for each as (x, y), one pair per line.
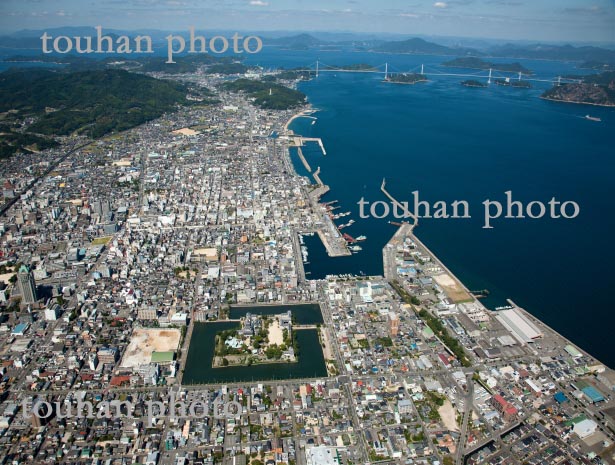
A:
(41, 413)
(147, 314)
(519, 325)
(585, 428)
(393, 324)
(505, 408)
(51, 314)
(92, 361)
(108, 355)
(27, 285)
(592, 394)
(404, 407)
(322, 455)
(20, 329)
(152, 458)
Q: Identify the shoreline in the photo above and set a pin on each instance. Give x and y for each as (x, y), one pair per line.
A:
(405, 83)
(541, 324)
(313, 197)
(491, 312)
(578, 103)
(305, 112)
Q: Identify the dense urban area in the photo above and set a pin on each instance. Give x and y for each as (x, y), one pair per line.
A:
(150, 278)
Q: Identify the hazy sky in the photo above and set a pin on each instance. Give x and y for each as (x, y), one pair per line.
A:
(554, 20)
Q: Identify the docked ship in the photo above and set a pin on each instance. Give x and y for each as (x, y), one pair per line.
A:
(361, 238)
(355, 248)
(349, 238)
(350, 223)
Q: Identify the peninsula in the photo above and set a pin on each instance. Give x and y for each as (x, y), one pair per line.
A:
(598, 89)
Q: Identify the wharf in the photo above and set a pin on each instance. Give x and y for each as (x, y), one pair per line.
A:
(335, 244)
(397, 204)
(299, 141)
(303, 160)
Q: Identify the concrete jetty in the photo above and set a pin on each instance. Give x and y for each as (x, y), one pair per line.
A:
(303, 160)
(315, 139)
(299, 141)
(317, 177)
(399, 205)
(335, 246)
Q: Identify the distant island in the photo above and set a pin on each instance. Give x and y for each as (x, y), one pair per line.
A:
(297, 42)
(420, 46)
(597, 65)
(598, 89)
(513, 83)
(406, 78)
(473, 83)
(554, 52)
(477, 63)
(354, 67)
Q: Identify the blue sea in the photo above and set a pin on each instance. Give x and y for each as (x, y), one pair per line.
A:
(451, 142)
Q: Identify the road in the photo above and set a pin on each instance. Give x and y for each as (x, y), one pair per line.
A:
(468, 408)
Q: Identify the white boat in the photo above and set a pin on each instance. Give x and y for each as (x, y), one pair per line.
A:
(592, 118)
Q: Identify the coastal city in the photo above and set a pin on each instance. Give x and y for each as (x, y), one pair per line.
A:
(156, 310)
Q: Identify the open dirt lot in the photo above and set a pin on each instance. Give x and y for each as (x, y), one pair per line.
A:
(144, 341)
(447, 413)
(452, 288)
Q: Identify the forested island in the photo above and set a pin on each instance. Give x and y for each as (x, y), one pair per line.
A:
(354, 67)
(267, 95)
(477, 63)
(406, 78)
(419, 46)
(598, 89)
(473, 83)
(513, 83)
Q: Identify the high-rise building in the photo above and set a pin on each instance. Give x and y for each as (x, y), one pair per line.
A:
(27, 285)
(393, 324)
(41, 413)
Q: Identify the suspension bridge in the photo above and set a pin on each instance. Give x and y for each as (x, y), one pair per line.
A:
(387, 70)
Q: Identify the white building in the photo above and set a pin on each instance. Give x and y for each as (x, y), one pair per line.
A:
(51, 314)
(585, 428)
(322, 455)
(519, 325)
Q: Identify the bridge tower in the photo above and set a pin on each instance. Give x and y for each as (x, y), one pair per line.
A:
(559, 80)
(316, 68)
(489, 80)
(519, 75)
(422, 67)
(386, 71)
